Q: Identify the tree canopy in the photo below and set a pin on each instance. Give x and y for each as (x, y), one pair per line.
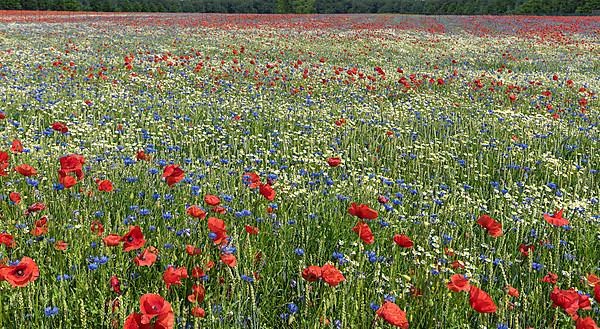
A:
(459, 7)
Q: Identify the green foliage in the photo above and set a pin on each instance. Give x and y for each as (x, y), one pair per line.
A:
(432, 7)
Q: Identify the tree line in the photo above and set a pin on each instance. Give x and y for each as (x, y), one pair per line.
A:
(454, 7)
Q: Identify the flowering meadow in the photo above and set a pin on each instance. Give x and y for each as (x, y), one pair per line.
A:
(247, 171)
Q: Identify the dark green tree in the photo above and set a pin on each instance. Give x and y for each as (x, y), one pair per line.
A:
(10, 4)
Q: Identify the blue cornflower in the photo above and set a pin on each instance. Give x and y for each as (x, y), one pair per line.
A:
(292, 308)
(32, 182)
(63, 277)
(374, 306)
(195, 190)
(50, 311)
(446, 238)
(247, 278)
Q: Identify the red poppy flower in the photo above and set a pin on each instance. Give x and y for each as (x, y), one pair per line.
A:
(210, 264)
(364, 232)
(38, 206)
(197, 272)
(192, 250)
(105, 185)
(311, 273)
(15, 197)
(592, 279)
(112, 240)
(133, 321)
(198, 293)
(61, 245)
(229, 260)
(550, 278)
(173, 276)
(556, 219)
(154, 306)
(212, 200)
(72, 163)
(493, 227)
(458, 282)
(142, 156)
(22, 274)
(393, 315)
(26, 170)
(217, 226)
(60, 127)
(586, 323)
(267, 191)
(115, 284)
(252, 230)
(251, 179)
(362, 211)
(334, 162)
(219, 210)
(457, 264)
(3, 163)
(173, 174)
(597, 292)
(403, 241)
(67, 181)
(480, 301)
(7, 240)
(513, 291)
(196, 212)
(97, 228)
(568, 300)
(526, 249)
(584, 302)
(331, 275)
(16, 146)
(382, 199)
(147, 257)
(134, 239)
(40, 226)
(198, 312)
